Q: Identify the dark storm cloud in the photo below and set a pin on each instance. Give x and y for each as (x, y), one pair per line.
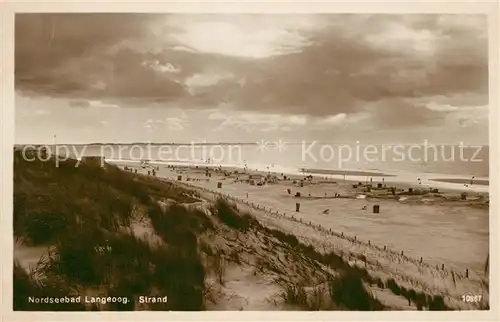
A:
(354, 61)
(341, 71)
(73, 55)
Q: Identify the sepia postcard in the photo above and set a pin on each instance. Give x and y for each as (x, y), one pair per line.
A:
(226, 158)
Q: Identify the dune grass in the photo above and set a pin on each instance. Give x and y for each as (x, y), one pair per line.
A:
(354, 297)
(177, 224)
(296, 296)
(348, 292)
(49, 200)
(229, 214)
(80, 210)
(26, 285)
(124, 265)
(344, 292)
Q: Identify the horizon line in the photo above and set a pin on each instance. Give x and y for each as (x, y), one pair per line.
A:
(249, 143)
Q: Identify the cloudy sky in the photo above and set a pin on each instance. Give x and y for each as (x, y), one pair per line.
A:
(171, 78)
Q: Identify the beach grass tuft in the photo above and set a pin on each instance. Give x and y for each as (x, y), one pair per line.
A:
(348, 292)
(232, 217)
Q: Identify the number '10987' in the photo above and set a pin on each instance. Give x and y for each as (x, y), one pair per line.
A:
(471, 298)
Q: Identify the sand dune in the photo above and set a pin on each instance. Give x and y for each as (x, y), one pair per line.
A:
(430, 231)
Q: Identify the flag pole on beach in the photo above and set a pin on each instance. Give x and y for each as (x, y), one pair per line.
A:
(55, 145)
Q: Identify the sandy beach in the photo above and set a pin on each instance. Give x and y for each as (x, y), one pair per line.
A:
(402, 222)
(403, 179)
(408, 230)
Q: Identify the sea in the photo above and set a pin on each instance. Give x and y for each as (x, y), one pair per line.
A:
(442, 161)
